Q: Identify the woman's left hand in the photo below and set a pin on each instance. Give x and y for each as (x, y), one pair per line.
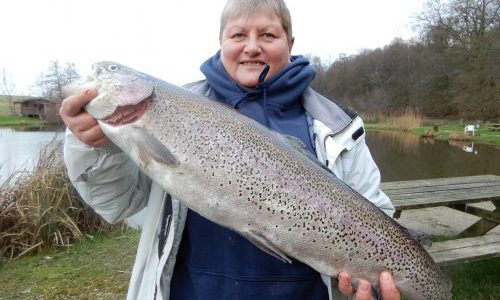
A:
(363, 292)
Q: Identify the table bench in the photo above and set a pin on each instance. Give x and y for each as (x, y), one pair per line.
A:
(494, 127)
(457, 193)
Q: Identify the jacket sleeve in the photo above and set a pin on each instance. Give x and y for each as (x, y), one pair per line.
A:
(106, 179)
(361, 173)
(351, 161)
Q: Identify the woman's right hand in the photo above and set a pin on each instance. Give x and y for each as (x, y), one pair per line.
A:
(80, 122)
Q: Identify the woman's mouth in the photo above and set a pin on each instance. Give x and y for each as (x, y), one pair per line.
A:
(253, 63)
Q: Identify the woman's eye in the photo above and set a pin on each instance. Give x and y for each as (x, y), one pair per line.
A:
(269, 36)
(238, 35)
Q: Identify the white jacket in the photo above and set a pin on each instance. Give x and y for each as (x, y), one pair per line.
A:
(116, 189)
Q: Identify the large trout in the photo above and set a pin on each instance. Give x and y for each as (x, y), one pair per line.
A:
(241, 175)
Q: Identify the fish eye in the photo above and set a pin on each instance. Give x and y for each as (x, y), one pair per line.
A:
(112, 68)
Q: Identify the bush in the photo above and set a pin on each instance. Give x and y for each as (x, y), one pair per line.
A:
(41, 210)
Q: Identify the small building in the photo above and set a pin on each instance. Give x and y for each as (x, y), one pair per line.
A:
(37, 107)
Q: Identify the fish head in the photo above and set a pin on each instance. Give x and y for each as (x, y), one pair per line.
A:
(123, 94)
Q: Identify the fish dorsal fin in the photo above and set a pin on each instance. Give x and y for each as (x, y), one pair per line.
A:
(420, 236)
(301, 147)
(265, 245)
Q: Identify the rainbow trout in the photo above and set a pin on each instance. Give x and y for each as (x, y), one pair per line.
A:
(241, 175)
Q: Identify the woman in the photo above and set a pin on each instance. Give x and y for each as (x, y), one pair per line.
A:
(181, 255)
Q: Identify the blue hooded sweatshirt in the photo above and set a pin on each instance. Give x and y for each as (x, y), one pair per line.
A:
(215, 263)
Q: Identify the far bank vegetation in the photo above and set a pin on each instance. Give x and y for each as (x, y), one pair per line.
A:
(450, 71)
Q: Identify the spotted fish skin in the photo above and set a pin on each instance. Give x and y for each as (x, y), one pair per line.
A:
(239, 174)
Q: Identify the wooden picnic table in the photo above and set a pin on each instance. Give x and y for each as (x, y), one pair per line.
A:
(457, 193)
(494, 127)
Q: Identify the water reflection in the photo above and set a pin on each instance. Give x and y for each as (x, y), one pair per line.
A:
(465, 146)
(399, 142)
(19, 148)
(404, 157)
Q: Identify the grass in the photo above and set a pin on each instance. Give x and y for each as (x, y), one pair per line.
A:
(97, 267)
(456, 129)
(6, 121)
(476, 280)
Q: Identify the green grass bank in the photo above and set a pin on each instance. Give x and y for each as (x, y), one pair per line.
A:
(99, 267)
(445, 131)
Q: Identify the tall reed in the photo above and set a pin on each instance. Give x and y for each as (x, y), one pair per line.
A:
(41, 210)
(404, 119)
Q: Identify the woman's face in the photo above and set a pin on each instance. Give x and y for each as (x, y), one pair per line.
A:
(250, 42)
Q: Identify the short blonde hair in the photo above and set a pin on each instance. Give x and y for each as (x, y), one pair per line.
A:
(247, 7)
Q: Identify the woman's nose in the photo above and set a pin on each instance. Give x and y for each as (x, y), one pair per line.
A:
(252, 46)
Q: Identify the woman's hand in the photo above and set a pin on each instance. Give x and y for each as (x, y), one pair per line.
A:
(81, 123)
(363, 292)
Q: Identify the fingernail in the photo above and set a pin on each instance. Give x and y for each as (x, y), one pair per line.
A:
(385, 276)
(365, 287)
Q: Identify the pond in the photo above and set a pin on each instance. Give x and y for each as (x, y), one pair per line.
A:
(20, 148)
(399, 156)
(402, 156)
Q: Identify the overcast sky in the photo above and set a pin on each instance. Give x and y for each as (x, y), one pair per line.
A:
(171, 38)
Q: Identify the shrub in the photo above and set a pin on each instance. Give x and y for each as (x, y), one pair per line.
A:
(41, 210)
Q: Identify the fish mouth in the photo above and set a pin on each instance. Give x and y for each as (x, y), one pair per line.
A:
(127, 114)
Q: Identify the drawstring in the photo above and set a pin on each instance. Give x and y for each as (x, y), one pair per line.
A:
(263, 86)
(254, 93)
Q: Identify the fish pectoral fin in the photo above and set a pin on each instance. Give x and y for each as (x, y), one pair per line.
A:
(150, 148)
(265, 245)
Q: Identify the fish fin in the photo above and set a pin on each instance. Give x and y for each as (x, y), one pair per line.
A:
(301, 147)
(420, 236)
(150, 148)
(265, 245)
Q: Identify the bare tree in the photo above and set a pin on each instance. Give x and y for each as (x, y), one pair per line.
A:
(55, 78)
(459, 22)
(7, 88)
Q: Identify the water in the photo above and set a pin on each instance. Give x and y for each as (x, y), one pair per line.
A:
(19, 149)
(403, 156)
(399, 156)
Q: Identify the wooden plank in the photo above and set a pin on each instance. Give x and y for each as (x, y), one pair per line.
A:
(438, 181)
(489, 215)
(456, 193)
(483, 225)
(492, 185)
(442, 200)
(466, 249)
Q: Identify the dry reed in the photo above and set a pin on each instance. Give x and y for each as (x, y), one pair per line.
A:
(404, 119)
(41, 210)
